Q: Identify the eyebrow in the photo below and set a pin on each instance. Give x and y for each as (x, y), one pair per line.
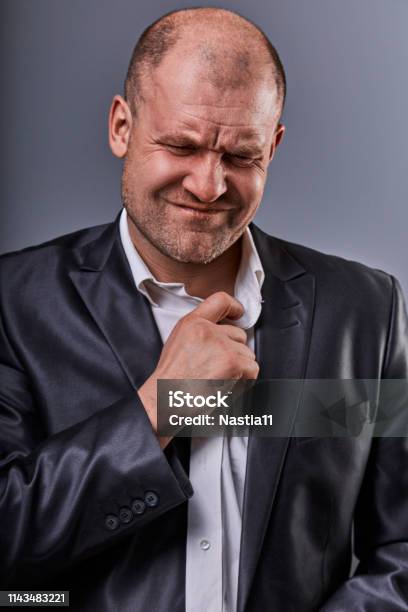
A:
(248, 149)
(184, 140)
(178, 139)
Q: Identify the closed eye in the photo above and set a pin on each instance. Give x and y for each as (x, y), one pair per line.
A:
(189, 149)
(241, 160)
(181, 149)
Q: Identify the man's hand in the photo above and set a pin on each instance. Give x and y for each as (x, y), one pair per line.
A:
(202, 345)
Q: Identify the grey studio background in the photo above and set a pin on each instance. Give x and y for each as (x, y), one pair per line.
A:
(339, 182)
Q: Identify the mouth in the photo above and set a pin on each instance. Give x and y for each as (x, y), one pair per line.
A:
(195, 210)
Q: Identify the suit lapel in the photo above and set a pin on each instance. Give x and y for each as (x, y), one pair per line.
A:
(282, 341)
(105, 283)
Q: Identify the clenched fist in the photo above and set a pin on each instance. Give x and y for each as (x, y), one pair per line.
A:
(202, 345)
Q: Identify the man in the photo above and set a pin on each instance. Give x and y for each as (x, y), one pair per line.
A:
(93, 499)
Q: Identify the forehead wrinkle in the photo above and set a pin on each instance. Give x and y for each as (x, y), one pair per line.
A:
(213, 122)
(250, 136)
(222, 106)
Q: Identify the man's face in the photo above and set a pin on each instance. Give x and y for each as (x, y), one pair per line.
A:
(197, 159)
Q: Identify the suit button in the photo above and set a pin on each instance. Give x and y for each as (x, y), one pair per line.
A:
(125, 515)
(111, 522)
(138, 506)
(151, 499)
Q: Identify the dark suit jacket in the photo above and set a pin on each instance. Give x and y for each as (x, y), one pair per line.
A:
(77, 340)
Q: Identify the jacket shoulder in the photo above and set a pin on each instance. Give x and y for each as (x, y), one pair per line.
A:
(64, 243)
(335, 273)
(43, 264)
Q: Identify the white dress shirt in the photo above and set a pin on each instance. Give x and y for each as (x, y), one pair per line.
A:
(217, 464)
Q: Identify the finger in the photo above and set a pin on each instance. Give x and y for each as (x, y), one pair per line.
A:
(219, 306)
(249, 369)
(233, 332)
(242, 349)
(243, 368)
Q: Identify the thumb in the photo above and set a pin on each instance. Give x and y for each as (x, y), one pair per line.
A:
(219, 306)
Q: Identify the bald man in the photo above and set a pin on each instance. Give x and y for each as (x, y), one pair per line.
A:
(95, 499)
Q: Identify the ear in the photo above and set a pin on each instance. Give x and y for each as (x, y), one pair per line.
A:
(277, 138)
(120, 125)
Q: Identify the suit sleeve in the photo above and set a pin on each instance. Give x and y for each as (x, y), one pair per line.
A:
(381, 517)
(67, 496)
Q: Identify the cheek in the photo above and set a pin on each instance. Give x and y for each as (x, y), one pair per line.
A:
(159, 170)
(250, 186)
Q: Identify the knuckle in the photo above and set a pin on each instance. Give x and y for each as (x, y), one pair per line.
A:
(251, 369)
(243, 335)
(230, 365)
(200, 329)
(221, 297)
(255, 370)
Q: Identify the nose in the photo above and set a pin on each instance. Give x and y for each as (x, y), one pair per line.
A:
(205, 178)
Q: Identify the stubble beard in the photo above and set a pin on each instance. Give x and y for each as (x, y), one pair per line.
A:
(196, 246)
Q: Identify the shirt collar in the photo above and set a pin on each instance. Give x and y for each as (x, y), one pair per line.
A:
(248, 283)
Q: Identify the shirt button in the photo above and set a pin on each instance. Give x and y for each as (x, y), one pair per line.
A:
(138, 506)
(151, 499)
(204, 545)
(111, 522)
(125, 515)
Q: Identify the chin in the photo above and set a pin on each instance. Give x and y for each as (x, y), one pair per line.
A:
(191, 258)
(192, 255)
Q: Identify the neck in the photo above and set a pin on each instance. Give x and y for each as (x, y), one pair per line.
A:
(200, 280)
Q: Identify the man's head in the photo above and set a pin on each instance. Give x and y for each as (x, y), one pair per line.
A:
(197, 129)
